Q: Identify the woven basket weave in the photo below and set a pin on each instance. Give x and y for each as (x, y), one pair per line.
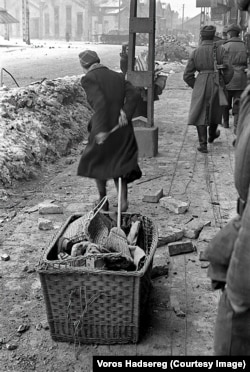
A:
(92, 226)
(96, 306)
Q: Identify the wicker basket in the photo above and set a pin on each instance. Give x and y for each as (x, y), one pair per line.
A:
(96, 306)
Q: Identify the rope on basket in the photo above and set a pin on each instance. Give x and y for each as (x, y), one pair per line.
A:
(77, 323)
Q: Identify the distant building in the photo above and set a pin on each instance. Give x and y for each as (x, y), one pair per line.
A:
(84, 20)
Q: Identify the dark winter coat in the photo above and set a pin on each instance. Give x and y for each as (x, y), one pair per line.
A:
(107, 93)
(229, 253)
(237, 54)
(205, 108)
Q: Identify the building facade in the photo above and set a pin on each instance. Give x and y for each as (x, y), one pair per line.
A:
(80, 20)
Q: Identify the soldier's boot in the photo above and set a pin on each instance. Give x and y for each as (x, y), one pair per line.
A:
(236, 113)
(226, 117)
(202, 135)
(213, 133)
(236, 117)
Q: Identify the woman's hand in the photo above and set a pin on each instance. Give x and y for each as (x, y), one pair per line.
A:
(122, 121)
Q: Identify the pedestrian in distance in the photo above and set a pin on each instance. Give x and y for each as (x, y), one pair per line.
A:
(237, 52)
(113, 100)
(208, 86)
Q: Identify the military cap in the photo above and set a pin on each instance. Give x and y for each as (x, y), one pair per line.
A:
(88, 58)
(208, 31)
(234, 27)
(224, 31)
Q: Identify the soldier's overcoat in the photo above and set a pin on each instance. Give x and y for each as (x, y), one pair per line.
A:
(229, 254)
(199, 74)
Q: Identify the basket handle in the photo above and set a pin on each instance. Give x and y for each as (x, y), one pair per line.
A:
(99, 206)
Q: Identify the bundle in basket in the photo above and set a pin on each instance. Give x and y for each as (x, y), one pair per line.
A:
(93, 226)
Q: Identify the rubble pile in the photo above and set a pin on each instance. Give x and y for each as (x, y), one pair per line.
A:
(168, 48)
(39, 124)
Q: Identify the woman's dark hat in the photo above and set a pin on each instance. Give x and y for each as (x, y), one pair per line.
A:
(88, 58)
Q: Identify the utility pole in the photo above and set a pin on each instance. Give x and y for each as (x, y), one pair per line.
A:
(119, 17)
(26, 21)
(6, 33)
(183, 7)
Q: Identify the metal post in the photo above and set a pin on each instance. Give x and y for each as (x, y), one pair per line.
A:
(119, 18)
(27, 23)
(1, 84)
(6, 32)
(183, 7)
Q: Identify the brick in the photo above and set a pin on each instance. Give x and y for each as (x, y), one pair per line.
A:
(180, 248)
(208, 233)
(203, 256)
(48, 208)
(44, 224)
(160, 263)
(153, 196)
(168, 234)
(176, 206)
(5, 257)
(193, 229)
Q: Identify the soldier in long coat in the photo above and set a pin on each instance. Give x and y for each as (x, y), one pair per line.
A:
(229, 250)
(205, 110)
(113, 100)
(229, 254)
(237, 54)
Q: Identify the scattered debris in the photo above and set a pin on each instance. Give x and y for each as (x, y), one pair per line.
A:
(44, 224)
(23, 328)
(5, 257)
(176, 206)
(153, 197)
(168, 234)
(160, 263)
(49, 208)
(180, 248)
(11, 346)
(193, 228)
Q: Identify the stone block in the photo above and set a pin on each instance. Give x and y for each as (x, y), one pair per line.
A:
(180, 248)
(153, 196)
(208, 233)
(168, 234)
(5, 257)
(147, 140)
(48, 208)
(160, 263)
(193, 228)
(44, 224)
(174, 205)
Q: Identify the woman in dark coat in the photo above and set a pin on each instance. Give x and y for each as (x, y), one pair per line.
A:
(113, 100)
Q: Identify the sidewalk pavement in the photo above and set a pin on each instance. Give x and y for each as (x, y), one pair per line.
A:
(183, 306)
